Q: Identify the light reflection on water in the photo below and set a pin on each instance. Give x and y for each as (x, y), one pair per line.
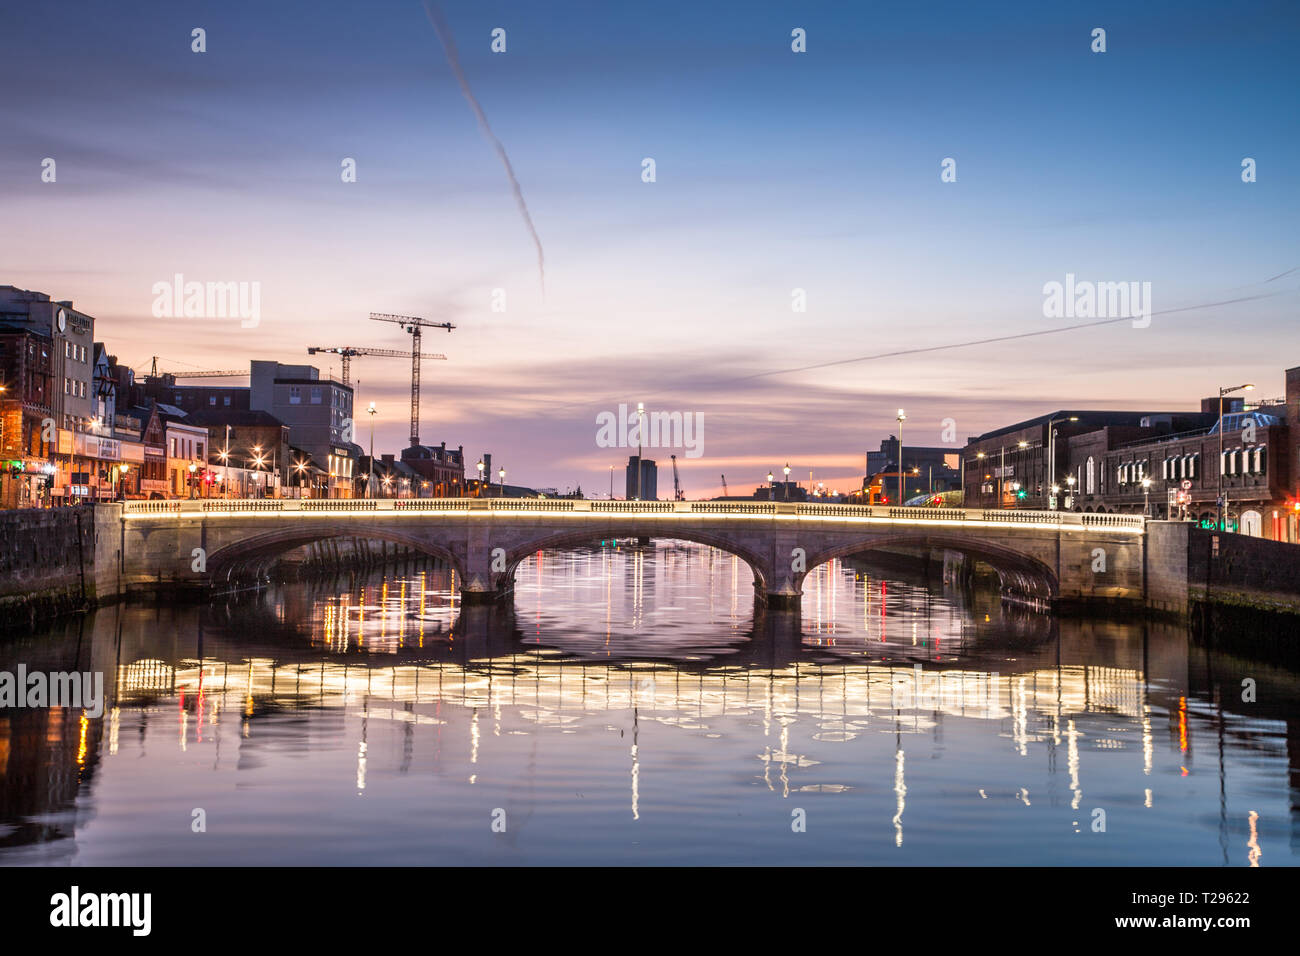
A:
(633, 706)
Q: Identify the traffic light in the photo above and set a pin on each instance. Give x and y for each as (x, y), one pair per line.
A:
(1022, 494)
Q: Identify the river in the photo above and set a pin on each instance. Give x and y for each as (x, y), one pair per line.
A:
(632, 706)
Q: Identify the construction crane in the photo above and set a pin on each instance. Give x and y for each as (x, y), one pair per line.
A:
(677, 487)
(725, 492)
(154, 373)
(348, 352)
(413, 325)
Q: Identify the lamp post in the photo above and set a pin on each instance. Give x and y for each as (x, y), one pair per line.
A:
(502, 473)
(1146, 497)
(480, 477)
(193, 469)
(901, 418)
(640, 428)
(611, 482)
(771, 487)
(370, 476)
(785, 495)
(1051, 446)
(1225, 391)
(1069, 495)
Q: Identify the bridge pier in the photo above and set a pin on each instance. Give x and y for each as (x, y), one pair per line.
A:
(782, 600)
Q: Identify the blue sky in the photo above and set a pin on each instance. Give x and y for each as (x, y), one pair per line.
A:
(775, 171)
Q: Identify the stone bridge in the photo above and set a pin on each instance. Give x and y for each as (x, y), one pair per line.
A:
(1056, 557)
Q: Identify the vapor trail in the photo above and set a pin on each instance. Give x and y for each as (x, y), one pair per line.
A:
(440, 27)
(1005, 338)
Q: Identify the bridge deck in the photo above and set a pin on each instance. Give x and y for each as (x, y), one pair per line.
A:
(484, 507)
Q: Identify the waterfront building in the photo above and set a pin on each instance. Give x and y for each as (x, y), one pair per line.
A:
(72, 398)
(442, 468)
(1011, 467)
(318, 412)
(26, 382)
(150, 479)
(243, 441)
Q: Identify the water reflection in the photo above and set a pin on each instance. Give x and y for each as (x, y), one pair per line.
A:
(635, 705)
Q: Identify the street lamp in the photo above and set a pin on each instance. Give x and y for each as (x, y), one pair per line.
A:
(611, 482)
(1146, 497)
(1226, 391)
(901, 418)
(370, 477)
(502, 473)
(785, 495)
(1051, 445)
(300, 467)
(640, 428)
(771, 487)
(193, 469)
(480, 477)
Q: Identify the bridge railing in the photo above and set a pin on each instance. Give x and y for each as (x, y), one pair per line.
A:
(825, 511)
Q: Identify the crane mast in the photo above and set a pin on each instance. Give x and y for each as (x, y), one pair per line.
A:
(414, 325)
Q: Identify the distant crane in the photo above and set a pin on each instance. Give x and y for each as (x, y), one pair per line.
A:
(414, 326)
(725, 492)
(348, 352)
(155, 374)
(677, 488)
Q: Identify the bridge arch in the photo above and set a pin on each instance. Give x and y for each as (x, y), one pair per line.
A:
(252, 554)
(1019, 571)
(560, 541)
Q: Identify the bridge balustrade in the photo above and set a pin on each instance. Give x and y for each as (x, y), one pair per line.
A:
(336, 504)
(531, 504)
(1062, 519)
(433, 504)
(733, 507)
(240, 504)
(632, 506)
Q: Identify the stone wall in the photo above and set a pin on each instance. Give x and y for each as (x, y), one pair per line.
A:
(47, 562)
(1245, 572)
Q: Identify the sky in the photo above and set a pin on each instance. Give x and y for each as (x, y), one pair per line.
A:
(775, 171)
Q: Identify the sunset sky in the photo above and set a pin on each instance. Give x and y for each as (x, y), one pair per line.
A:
(775, 171)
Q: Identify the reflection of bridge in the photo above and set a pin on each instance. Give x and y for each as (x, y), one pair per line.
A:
(1053, 556)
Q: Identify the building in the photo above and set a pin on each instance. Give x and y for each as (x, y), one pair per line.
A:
(243, 441)
(1167, 465)
(150, 479)
(1011, 468)
(1253, 455)
(443, 469)
(26, 416)
(72, 400)
(926, 470)
(648, 489)
(318, 412)
(194, 398)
